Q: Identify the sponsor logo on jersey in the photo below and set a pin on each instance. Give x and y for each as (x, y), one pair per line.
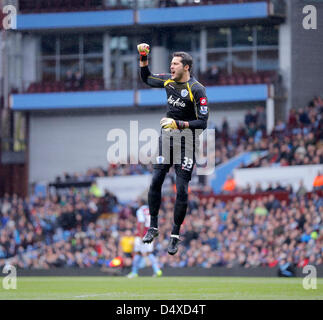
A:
(184, 93)
(176, 103)
(160, 159)
(203, 101)
(204, 109)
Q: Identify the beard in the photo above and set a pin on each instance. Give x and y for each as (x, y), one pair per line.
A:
(178, 75)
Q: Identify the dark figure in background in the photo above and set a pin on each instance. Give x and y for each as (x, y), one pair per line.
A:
(69, 80)
(79, 81)
(213, 74)
(167, 3)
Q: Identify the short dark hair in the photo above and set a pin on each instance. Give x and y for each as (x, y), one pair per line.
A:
(186, 59)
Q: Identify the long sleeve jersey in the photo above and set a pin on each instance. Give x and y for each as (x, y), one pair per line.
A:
(186, 101)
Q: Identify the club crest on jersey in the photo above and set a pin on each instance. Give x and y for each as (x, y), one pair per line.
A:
(184, 93)
(204, 110)
(160, 159)
(203, 101)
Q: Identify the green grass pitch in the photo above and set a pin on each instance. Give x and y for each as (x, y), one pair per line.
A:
(164, 288)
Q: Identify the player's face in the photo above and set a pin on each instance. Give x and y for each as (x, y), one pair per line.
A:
(177, 69)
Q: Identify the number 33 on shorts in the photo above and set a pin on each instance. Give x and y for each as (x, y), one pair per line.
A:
(187, 164)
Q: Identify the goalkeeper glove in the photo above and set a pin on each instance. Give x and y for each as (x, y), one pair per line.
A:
(143, 49)
(171, 124)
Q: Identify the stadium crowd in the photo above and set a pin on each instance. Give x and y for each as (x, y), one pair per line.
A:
(298, 142)
(80, 230)
(41, 232)
(247, 233)
(111, 170)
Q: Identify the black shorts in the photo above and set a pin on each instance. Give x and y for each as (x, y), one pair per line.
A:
(180, 154)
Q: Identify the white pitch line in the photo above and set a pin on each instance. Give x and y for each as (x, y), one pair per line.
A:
(132, 295)
(112, 294)
(93, 295)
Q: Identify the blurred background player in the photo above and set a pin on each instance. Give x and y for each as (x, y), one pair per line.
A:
(143, 249)
(187, 111)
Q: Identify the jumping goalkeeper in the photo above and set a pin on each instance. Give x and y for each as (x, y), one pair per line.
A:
(187, 111)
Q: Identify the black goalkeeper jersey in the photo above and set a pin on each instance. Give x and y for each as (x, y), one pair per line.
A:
(186, 101)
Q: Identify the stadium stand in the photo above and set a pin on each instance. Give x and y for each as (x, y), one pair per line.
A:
(240, 78)
(58, 86)
(299, 142)
(33, 6)
(29, 6)
(71, 231)
(224, 79)
(111, 170)
(78, 228)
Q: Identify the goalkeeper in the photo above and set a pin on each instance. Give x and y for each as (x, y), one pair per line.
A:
(187, 111)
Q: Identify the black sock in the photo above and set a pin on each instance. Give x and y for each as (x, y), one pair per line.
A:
(175, 230)
(154, 222)
(180, 204)
(154, 196)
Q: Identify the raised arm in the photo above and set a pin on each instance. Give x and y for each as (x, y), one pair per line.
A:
(153, 80)
(144, 49)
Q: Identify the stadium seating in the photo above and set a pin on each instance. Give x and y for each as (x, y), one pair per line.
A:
(252, 136)
(98, 84)
(58, 86)
(29, 6)
(41, 6)
(80, 230)
(75, 228)
(242, 78)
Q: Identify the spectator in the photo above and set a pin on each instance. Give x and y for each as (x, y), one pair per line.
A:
(318, 181)
(126, 246)
(260, 209)
(78, 81)
(225, 130)
(258, 188)
(261, 118)
(292, 119)
(69, 80)
(229, 185)
(280, 126)
(279, 187)
(95, 190)
(167, 3)
(249, 118)
(213, 74)
(303, 116)
(286, 269)
(270, 187)
(189, 235)
(252, 129)
(301, 191)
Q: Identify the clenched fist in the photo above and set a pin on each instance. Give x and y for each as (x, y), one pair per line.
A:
(143, 49)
